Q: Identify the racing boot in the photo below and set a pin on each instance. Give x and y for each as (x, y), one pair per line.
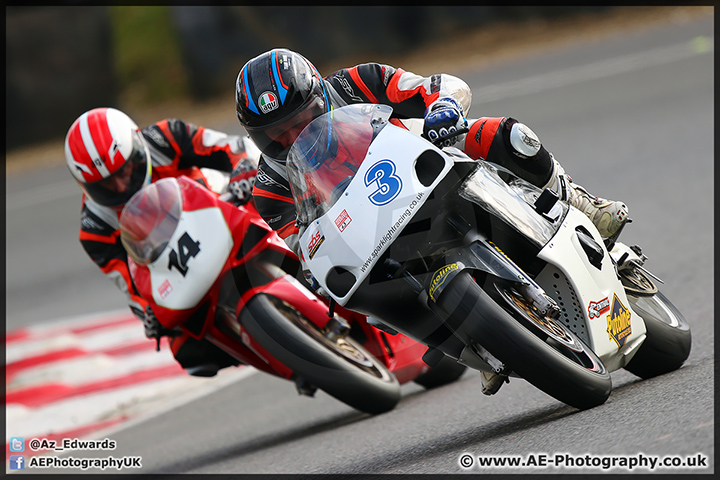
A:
(607, 215)
(207, 369)
(491, 382)
(200, 358)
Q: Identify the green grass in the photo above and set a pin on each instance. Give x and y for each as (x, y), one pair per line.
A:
(148, 61)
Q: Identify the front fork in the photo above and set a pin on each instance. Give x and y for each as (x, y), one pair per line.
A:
(630, 258)
(483, 256)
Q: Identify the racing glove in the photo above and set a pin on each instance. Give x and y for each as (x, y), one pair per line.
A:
(155, 329)
(444, 120)
(242, 180)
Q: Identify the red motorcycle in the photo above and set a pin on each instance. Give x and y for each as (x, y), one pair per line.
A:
(219, 272)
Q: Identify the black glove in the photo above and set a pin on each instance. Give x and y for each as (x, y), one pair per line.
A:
(155, 329)
(444, 120)
(242, 180)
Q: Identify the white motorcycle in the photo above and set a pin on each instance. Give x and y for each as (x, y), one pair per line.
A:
(474, 262)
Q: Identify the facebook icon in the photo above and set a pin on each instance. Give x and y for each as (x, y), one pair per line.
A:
(17, 462)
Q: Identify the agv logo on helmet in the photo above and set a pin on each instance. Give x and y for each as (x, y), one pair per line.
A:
(268, 102)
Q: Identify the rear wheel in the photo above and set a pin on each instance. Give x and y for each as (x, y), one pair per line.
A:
(536, 347)
(338, 365)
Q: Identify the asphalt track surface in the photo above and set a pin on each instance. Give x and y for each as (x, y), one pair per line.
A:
(630, 117)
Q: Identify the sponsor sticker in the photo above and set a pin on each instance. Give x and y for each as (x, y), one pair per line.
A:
(165, 289)
(440, 278)
(315, 241)
(343, 220)
(268, 102)
(498, 249)
(595, 309)
(618, 322)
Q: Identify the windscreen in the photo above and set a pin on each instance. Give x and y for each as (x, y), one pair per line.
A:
(327, 154)
(149, 219)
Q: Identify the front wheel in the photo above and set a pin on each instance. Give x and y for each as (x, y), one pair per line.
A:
(536, 347)
(668, 340)
(339, 366)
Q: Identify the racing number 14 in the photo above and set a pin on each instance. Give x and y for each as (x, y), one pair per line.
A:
(188, 248)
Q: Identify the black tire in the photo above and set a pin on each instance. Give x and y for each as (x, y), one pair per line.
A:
(539, 349)
(668, 340)
(446, 371)
(343, 368)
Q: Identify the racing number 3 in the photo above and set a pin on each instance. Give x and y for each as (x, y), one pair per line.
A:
(188, 248)
(382, 175)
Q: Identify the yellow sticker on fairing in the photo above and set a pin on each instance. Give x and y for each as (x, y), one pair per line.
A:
(618, 321)
(441, 276)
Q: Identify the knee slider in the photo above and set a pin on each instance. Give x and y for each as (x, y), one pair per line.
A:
(524, 141)
(524, 154)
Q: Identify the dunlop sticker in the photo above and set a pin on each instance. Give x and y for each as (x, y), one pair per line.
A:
(441, 277)
(618, 321)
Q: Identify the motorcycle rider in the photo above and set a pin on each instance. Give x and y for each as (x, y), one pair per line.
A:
(111, 159)
(279, 92)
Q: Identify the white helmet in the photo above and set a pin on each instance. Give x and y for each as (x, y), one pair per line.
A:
(107, 155)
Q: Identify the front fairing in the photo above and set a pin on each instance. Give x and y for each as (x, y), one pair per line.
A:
(189, 254)
(351, 211)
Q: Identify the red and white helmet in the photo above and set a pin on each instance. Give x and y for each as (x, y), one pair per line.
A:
(107, 155)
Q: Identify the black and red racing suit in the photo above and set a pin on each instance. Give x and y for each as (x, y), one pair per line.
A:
(176, 148)
(409, 95)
